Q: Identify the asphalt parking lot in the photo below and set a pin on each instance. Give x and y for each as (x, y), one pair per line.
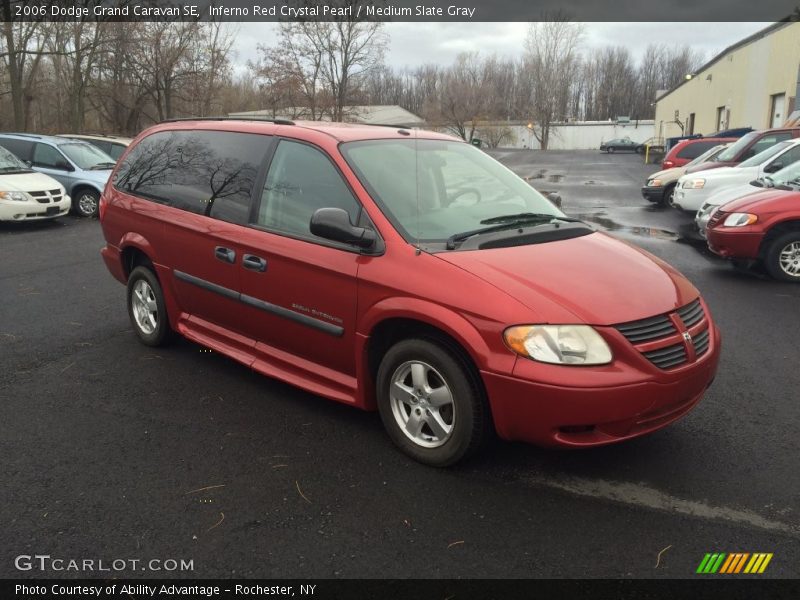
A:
(114, 450)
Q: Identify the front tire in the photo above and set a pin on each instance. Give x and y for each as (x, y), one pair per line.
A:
(610, 150)
(782, 259)
(87, 203)
(146, 308)
(666, 199)
(431, 402)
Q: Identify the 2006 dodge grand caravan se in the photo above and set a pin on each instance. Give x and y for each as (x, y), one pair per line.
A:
(405, 271)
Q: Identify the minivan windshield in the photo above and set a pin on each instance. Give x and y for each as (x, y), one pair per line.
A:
(787, 177)
(733, 151)
(10, 164)
(434, 189)
(86, 156)
(765, 155)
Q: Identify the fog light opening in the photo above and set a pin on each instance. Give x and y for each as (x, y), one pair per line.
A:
(576, 429)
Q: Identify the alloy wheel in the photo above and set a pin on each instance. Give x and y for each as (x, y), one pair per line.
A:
(145, 309)
(789, 259)
(422, 404)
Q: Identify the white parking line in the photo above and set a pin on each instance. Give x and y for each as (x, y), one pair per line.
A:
(640, 495)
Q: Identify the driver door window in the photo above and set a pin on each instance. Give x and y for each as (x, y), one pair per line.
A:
(301, 179)
(48, 157)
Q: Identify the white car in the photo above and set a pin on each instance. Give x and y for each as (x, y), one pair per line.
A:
(788, 178)
(693, 189)
(26, 195)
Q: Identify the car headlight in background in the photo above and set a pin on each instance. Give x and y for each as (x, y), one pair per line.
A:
(18, 196)
(706, 209)
(654, 183)
(739, 219)
(694, 184)
(559, 344)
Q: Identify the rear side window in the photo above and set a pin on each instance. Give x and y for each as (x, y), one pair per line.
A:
(115, 150)
(205, 172)
(302, 179)
(695, 149)
(22, 149)
(767, 142)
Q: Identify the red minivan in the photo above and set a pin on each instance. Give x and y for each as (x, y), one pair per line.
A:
(686, 151)
(403, 271)
(747, 147)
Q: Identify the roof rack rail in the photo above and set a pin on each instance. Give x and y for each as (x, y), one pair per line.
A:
(35, 136)
(277, 121)
(385, 125)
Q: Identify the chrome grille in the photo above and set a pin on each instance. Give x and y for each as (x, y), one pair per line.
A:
(665, 331)
(647, 329)
(701, 343)
(691, 314)
(664, 358)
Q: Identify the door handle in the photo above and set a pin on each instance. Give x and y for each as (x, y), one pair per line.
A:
(225, 254)
(254, 263)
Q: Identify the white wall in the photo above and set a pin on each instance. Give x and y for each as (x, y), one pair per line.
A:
(581, 135)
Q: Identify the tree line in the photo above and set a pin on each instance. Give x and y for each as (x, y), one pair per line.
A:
(121, 77)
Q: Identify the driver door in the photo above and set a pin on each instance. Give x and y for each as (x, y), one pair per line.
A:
(49, 160)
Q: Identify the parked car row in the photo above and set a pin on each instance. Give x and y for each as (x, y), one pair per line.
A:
(43, 177)
(745, 197)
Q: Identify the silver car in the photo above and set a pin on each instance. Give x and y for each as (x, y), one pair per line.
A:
(80, 167)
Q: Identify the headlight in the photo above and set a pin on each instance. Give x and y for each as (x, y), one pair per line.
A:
(695, 184)
(655, 183)
(559, 344)
(18, 196)
(739, 219)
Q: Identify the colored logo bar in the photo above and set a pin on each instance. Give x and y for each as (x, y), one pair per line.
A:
(735, 562)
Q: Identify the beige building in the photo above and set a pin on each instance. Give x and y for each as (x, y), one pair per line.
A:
(754, 83)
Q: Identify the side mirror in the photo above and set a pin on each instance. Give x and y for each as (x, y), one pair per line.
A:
(62, 166)
(334, 224)
(773, 167)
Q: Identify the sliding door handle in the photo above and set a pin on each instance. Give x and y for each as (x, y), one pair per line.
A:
(254, 263)
(225, 254)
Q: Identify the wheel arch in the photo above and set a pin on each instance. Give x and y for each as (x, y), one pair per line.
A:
(778, 229)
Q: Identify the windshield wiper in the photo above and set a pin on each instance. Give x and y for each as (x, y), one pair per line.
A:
(506, 222)
(526, 216)
(102, 165)
(13, 170)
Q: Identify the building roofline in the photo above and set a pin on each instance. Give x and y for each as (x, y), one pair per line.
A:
(761, 33)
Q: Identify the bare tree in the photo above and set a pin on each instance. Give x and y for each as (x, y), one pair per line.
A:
(550, 65)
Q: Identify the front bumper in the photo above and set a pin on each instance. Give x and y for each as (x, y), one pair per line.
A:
(13, 210)
(732, 242)
(689, 199)
(653, 194)
(569, 416)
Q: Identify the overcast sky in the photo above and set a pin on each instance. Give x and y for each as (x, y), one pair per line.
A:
(413, 44)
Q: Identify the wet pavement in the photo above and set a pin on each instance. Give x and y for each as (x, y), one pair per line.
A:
(114, 450)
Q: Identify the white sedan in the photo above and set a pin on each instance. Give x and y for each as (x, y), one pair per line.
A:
(694, 189)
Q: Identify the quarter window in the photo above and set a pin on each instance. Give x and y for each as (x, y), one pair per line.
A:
(696, 149)
(210, 173)
(301, 179)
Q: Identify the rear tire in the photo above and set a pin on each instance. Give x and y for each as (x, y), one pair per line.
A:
(147, 309)
(782, 259)
(431, 402)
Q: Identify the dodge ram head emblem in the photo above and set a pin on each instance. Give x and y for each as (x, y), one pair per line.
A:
(687, 336)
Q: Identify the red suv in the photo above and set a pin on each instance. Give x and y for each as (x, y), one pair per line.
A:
(686, 151)
(405, 271)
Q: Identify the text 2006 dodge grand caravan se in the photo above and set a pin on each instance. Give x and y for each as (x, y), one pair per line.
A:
(405, 271)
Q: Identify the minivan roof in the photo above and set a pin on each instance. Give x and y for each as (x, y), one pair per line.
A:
(343, 132)
(42, 138)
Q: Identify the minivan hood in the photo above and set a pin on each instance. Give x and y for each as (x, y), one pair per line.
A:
(668, 174)
(760, 201)
(733, 174)
(100, 176)
(597, 278)
(28, 182)
(733, 192)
